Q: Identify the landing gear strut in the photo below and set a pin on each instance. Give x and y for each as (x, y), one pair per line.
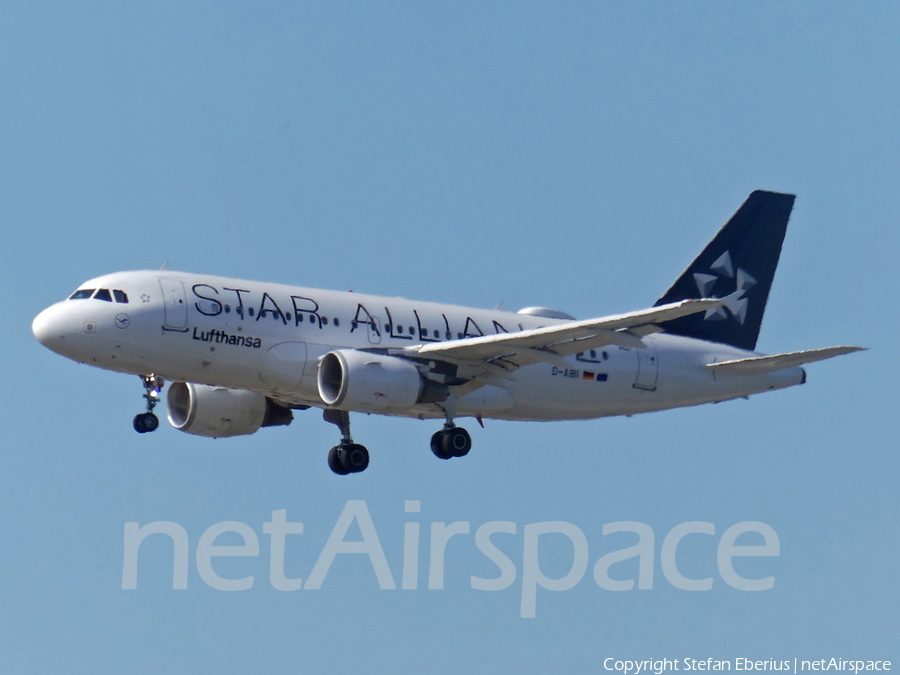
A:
(451, 441)
(146, 422)
(348, 457)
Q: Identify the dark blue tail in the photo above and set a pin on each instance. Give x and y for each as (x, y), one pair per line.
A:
(737, 266)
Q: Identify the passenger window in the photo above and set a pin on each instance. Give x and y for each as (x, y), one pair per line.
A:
(325, 320)
(82, 294)
(103, 294)
(337, 322)
(121, 297)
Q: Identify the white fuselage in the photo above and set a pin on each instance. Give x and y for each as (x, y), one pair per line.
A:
(269, 338)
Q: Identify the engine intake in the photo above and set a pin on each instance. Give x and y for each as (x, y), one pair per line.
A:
(370, 382)
(218, 412)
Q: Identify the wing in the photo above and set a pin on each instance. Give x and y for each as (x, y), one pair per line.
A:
(765, 364)
(502, 353)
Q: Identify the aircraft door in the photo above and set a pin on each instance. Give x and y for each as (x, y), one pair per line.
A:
(648, 368)
(282, 366)
(176, 311)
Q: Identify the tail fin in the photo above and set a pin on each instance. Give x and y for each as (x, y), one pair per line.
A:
(737, 266)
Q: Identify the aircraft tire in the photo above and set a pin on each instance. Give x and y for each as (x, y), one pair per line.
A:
(334, 461)
(437, 444)
(354, 457)
(457, 442)
(138, 424)
(145, 422)
(151, 422)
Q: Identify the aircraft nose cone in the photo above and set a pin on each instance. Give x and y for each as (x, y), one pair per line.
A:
(48, 328)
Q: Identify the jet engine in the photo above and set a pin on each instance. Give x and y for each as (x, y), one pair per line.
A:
(218, 412)
(370, 382)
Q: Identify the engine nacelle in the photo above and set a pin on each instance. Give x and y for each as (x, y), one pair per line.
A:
(370, 382)
(218, 412)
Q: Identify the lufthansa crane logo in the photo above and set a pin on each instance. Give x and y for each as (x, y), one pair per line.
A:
(735, 303)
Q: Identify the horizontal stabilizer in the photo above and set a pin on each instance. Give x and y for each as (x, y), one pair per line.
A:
(766, 364)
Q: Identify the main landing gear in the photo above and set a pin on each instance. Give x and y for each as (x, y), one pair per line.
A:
(147, 422)
(348, 457)
(451, 441)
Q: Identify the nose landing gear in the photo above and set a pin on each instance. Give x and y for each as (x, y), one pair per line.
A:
(147, 421)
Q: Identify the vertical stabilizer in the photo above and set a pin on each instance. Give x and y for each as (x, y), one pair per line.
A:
(737, 266)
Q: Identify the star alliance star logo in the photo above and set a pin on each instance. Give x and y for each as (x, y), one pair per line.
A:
(735, 303)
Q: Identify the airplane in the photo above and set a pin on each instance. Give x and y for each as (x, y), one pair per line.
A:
(242, 355)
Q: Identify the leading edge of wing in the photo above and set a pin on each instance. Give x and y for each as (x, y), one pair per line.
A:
(550, 343)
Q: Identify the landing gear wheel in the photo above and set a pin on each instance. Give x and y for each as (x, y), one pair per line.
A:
(456, 442)
(451, 442)
(354, 457)
(334, 461)
(145, 422)
(437, 444)
(151, 422)
(348, 458)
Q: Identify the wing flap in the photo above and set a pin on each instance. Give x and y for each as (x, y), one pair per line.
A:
(766, 364)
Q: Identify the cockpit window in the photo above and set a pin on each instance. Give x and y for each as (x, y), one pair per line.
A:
(100, 294)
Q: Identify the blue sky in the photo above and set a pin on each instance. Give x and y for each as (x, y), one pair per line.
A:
(575, 156)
